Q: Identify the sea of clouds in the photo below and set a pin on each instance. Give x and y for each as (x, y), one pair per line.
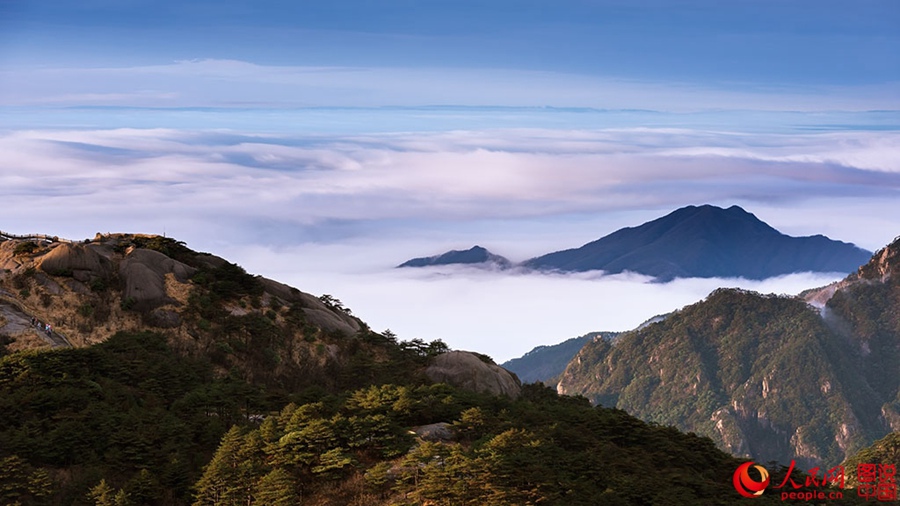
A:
(334, 213)
(501, 313)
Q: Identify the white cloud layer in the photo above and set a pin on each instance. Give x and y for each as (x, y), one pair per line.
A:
(496, 313)
(132, 177)
(334, 214)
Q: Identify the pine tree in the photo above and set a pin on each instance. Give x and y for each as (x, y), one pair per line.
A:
(220, 484)
(122, 499)
(19, 481)
(277, 489)
(102, 494)
(143, 488)
(332, 463)
(252, 465)
(379, 478)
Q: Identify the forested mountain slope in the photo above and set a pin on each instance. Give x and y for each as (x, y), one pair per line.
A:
(546, 363)
(768, 377)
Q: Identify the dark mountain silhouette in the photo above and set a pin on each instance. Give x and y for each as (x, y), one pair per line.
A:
(706, 241)
(473, 255)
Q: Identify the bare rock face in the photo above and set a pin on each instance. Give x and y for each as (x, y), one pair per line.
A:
(163, 318)
(330, 320)
(884, 262)
(13, 321)
(144, 272)
(464, 369)
(210, 261)
(48, 283)
(77, 287)
(160, 263)
(75, 259)
(280, 290)
(436, 432)
(8, 260)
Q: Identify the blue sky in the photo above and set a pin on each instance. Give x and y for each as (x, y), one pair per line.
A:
(749, 41)
(322, 143)
(613, 54)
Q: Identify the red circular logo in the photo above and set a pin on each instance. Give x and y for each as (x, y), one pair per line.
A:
(747, 486)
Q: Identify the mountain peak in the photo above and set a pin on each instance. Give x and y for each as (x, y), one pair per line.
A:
(706, 241)
(884, 263)
(476, 255)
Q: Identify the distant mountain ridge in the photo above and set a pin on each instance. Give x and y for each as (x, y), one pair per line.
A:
(694, 241)
(473, 255)
(706, 241)
(545, 363)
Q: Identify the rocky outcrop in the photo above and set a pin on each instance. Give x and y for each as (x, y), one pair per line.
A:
(435, 432)
(878, 269)
(163, 318)
(8, 260)
(884, 262)
(316, 312)
(76, 260)
(464, 369)
(209, 261)
(144, 273)
(819, 297)
(48, 283)
(282, 291)
(329, 321)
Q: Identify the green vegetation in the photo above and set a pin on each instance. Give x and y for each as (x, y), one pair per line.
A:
(248, 401)
(165, 245)
(63, 273)
(4, 340)
(547, 363)
(25, 248)
(113, 411)
(542, 449)
(884, 451)
(869, 315)
(334, 304)
(131, 422)
(228, 281)
(751, 372)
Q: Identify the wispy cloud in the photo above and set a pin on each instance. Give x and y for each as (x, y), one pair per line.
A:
(230, 82)
(439, 176)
